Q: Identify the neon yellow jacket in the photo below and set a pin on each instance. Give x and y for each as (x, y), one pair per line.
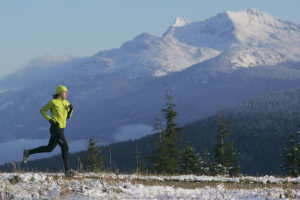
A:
(59, 108)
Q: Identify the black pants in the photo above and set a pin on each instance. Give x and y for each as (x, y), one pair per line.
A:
(57, 137)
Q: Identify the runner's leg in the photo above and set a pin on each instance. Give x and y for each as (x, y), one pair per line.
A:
(62, 142)
(51, 145)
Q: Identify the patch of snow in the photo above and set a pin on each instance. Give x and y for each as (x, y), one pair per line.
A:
(179, 21)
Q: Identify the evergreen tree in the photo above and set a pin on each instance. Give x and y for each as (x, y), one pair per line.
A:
(159, 157)
(93, 160)
(172, 136)
(190, 160)
(140, 166)
(225, 155)
(232, 159)
(291, 158)
(206, 164)
(298, 155)
(167, 152)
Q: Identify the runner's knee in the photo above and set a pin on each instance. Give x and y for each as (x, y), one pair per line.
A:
(49, 148)
(65, 147)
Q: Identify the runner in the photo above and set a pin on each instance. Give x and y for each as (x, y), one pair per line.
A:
(61, 110)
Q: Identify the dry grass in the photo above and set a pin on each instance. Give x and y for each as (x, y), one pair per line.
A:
(227, 185)
(16, 179)
(64, 190)
(114, 179)
(117, 183)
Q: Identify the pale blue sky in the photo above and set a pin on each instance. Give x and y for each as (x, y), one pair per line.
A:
(33, 28)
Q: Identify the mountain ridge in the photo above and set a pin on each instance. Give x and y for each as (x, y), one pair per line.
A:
(244, 39)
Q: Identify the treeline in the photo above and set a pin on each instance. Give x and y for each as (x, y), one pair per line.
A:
(171, 156)
(167, 155)
(259, 128)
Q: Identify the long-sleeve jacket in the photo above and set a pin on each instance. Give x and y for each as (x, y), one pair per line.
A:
(60, 111)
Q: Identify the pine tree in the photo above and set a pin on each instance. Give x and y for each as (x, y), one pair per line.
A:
(232, 159)
(172, 137)
(159, 157)
(167, 152)
(206, 164)
(298, 155)
(190, 160)
(225, 155)
(93, 160)
(291, 158)
(140, 166)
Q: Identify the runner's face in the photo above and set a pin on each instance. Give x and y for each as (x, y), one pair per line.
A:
(63, 95)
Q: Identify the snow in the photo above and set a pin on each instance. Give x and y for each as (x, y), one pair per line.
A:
(179, 21)
(246, 38)
(112, 186)
(148, 55)
(263, 179)
(254, 24)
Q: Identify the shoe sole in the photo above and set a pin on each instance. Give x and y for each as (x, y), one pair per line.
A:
(25, 159)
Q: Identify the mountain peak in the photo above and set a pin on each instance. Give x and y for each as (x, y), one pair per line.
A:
(253, 11)
(260, 27)
(227, 28)
(251, 15)
(179, 21)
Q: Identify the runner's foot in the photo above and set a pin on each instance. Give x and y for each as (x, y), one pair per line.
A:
(70, 173)
(26, 155)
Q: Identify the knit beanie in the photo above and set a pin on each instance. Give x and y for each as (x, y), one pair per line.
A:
(61, 88)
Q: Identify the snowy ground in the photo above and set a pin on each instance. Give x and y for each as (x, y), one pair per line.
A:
(111, 186)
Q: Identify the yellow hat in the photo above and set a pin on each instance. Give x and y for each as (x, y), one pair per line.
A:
(61, 88)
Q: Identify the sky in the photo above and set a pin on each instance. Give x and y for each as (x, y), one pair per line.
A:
(54, 29)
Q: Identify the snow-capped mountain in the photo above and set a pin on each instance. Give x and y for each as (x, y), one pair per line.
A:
(118, 93)
(246, 38)
(235, 39)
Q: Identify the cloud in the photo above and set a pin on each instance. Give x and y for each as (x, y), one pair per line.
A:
(49, 61)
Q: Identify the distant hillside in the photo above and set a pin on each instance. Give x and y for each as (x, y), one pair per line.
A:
(260, 128)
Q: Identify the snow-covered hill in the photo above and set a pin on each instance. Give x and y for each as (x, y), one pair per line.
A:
(118, 93)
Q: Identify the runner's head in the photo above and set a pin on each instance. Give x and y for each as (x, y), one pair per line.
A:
(62, 91)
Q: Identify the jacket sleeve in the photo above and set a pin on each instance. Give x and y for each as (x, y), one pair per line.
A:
(45, 108)
(70, 112)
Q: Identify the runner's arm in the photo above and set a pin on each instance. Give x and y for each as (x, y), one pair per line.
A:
(45, 108)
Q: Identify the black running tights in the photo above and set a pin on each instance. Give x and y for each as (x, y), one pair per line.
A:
(57, 137)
